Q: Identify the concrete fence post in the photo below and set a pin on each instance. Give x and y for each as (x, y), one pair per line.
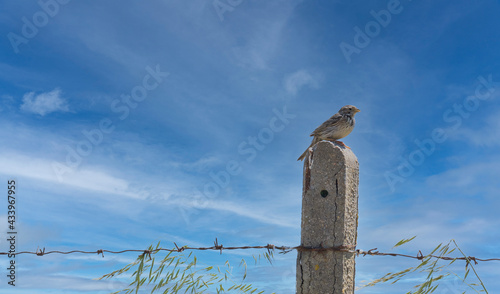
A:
(329, 219)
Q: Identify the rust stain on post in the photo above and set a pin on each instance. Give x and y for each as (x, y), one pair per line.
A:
(329, 219)
(307, 176)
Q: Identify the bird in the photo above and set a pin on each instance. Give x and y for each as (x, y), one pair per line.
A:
(336, 127)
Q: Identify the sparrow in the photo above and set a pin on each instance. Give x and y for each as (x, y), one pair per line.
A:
(336, 127)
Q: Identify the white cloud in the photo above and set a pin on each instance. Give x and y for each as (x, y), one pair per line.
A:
(487, 136)
(265, 34)
(263, 215)
(44, 103)
(478, 179)
(18, 165)
(261, 46)
(299, 79)
(246, 210)
(199, 165)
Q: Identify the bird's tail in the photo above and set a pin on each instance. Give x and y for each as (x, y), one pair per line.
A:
(314, 141)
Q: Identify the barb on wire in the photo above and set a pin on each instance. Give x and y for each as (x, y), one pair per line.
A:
(269, 247)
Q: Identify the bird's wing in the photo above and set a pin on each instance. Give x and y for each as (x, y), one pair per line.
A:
(328, 123)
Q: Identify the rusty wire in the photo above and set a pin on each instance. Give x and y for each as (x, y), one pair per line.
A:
(269, 247)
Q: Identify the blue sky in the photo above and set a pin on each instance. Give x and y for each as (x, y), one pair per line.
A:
(181, 121)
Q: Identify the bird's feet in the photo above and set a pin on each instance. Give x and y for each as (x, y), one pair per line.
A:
(341, 144)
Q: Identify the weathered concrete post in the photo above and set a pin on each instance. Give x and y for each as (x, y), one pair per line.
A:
(329, 219)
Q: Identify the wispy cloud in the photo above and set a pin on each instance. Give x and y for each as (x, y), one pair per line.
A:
(485, 136)
(22, 166)
(246, 210)
(253, 213)
(265, 36)
(477, 179)
(299, 79)
(44, 103)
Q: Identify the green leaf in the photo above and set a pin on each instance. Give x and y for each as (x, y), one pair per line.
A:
(404, 241)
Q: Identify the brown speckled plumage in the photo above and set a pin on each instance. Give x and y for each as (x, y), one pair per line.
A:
(336, 127)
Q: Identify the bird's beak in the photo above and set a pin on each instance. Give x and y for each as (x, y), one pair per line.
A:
(357, 110)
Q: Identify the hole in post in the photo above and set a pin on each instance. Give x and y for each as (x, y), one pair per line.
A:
(324, 193)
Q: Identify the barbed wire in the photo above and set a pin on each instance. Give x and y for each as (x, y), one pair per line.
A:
(268, 247)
